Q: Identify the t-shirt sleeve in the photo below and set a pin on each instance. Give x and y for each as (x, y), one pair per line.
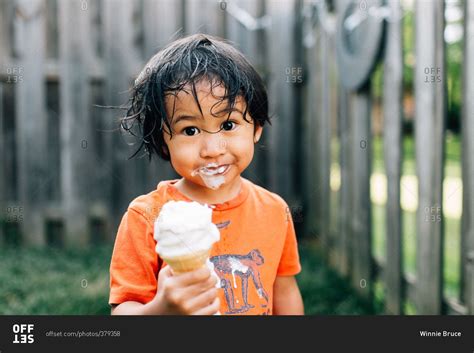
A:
(290, 260)
(134, 263)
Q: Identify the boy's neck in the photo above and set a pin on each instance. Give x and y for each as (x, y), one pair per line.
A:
(206, 195)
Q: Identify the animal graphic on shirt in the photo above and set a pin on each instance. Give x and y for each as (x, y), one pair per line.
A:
(245, 267)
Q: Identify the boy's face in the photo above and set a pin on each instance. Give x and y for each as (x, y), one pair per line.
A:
(199, 140)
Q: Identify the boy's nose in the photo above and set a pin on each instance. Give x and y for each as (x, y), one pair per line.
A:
(212, 146)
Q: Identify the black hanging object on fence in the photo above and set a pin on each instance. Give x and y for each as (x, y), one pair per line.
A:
(359, 36)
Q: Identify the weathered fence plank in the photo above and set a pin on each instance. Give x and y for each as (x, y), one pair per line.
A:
(31, 121)
(158, 34)
(334, 126)
(204, 16)
(323, 139)
(282, 78)
(360, 151)
(344, 242)
(128, 177)
(2, 170)
(4, 42)
(76, 125)
(393, 154)
(253, 43)
(467, 235)
(430, 95)
(308, 137)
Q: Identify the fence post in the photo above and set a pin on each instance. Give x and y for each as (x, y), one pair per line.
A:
(345, 193)
(282, 78)
(430, 95)
(360, 151)
(2, 169)
(204, 16)
(128, 177)
(310, 158)
(157, 34)
(467, 234)
(31, 119)
(253, 44)
(393, 152)
(76, 127)
(323, 142)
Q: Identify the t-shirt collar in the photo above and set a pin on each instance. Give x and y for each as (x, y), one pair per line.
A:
(236, 201)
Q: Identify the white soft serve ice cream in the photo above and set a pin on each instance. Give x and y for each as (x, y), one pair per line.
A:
(184, 228)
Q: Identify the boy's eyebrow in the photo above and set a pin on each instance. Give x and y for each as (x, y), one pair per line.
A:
(187, 117)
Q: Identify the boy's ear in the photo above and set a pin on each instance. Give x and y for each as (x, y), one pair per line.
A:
(258, 133)
(165, 150)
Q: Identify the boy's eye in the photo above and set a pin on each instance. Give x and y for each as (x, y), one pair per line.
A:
(228, 125)
(190, 131)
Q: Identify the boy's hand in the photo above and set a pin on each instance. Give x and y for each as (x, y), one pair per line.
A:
(191, 293)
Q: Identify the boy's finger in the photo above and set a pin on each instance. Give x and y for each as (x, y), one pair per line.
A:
(209, 310)
(166, 271)
(201, 300)
(195, 289)
(190, 278)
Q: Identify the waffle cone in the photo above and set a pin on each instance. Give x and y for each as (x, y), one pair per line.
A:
(187, 263)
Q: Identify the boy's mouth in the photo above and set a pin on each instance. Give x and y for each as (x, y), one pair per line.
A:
(211, 169)
(212, 174)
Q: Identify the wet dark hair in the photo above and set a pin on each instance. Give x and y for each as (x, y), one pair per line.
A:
(187, 61)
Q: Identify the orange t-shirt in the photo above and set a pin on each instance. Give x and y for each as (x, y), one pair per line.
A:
(257, 243)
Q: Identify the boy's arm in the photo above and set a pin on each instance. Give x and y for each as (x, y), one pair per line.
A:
(286, 297)
(135, 308)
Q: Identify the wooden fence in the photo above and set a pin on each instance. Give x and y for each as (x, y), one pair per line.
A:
(65, 177)
(347, 233)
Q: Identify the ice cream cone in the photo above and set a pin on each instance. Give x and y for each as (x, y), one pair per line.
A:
(189, 262)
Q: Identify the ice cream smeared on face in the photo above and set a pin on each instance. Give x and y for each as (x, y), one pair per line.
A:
(212, 174)
(184, 228)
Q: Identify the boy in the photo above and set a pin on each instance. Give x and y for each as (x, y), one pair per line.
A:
(200, 105)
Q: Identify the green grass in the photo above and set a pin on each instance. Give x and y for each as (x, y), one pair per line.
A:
(325, 292)
(54, 282)
(452, 226)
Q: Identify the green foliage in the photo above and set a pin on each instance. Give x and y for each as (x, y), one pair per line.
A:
(54, 282)
(454, 59)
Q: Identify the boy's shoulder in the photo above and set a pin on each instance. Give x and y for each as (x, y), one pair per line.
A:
(149, 205)
(265, 196)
